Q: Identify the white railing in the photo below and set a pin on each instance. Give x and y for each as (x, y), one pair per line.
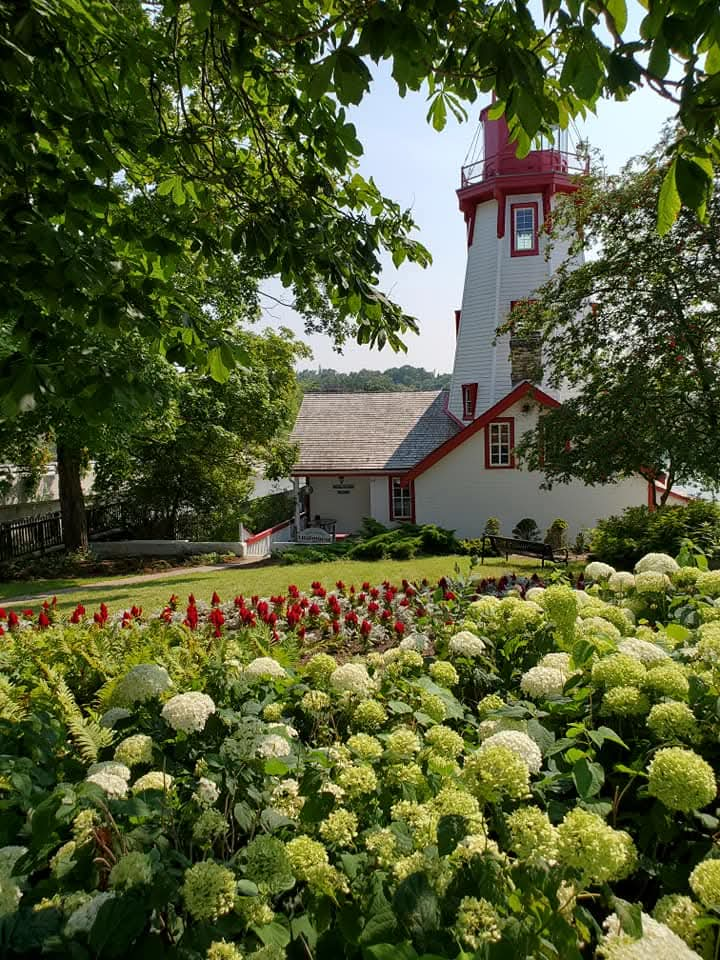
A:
(260, 544)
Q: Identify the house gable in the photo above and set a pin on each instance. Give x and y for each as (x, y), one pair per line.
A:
(496, 412)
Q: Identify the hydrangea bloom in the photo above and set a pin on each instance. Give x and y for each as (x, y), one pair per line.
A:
(134, 750)
(315, 701)
(208, 890)
(222, 950)
(496, 773)
(369, 715)
(286, 798)
(477, 922)
(339, 827)
(489, 704)
(557, 661)
(705, 883)
(444, 673)
(83, 827)
(272, 745)
(651, 581)
(188, 712)
(445, 741)
(352, 678)
(618, 670)
(365, 746)
(647, 653)
(264, 667)
(466, 644)
(658, 942)
(115, 787)
(561, 605)
(320, 668)
(484, 609)
(304, 854)
(597, 627)
(541, 682)
(155, 780)
(358, 779)
(536, 594)
(209, 827)
(267, 864)
(681, 779)
(82, 919)
(521, 745)
(667, 679)
(273, 711)
(686, 577)
(587, 844)
(672, 720)
(207, 792)
(598, 571)
(621, 582)
(532, 835)
(405, 774)
(679, 913)
(143, 682)
(657, 562)
(132, 870)
(625, 702)
(113, 767)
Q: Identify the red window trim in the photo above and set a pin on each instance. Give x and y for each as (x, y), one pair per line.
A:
(535, 249)
(409, 483)
(469, 391)
(457, 322)
(500, 466)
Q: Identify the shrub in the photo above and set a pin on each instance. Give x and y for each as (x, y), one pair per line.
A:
(622, 540)
(492, 527)
(404, 549)
(556, 534)
(526, 529)
(437, 541)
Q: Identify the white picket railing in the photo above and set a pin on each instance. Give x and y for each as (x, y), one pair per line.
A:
(260, 544)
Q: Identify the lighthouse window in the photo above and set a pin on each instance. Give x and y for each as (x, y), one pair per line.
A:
(499, 442)
(469, 399)
(524, 234)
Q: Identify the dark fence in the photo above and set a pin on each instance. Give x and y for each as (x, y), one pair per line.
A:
(31, 535)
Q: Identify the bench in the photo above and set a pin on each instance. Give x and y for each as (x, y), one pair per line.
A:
(524, 548)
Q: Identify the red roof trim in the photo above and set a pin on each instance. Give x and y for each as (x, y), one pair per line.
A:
(520, 391)
(304, 472)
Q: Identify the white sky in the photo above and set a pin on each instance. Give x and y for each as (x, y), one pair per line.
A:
(420, 168)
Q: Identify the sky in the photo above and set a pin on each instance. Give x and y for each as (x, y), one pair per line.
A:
(419, 168)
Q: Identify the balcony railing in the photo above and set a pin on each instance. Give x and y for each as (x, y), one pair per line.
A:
(537, 161)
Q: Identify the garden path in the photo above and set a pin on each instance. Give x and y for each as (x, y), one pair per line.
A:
(137, 578)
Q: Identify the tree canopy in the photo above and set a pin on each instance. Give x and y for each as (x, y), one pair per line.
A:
(393, 379)
(634, 333)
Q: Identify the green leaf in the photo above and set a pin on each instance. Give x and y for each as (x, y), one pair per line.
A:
(588, 777)
(381, 922)
(178, 194)
(351, 76)
(276, 768)
(669, 202)
(118, 923)
(602, 734)
(246, 888)
(618, 11)
(272, 934)
(659, 62)
(166, 187)
(693, 182)
(416, 905)
(630, 917)
(437, 114)
(451, 830)
(218, 371)
(391, 951)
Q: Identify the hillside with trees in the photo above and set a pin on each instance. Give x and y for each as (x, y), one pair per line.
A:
(392, 380)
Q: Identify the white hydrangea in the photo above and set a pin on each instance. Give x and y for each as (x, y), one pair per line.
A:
(272, 745)
(487, 728)
(207, 792)
(466, 644)
(658, 942)
(82, 919)
(134, 750)
(188, 711)
(536, 594)
(642, 650)
(583, 598)
(415, 641)
(557, 661)
(143, 682)
(540, 682)
(598, 625)
(621, 582)
(111, 716)
(652, 581)
(112, 767)
(657, 563)
(115, 787)
(155, 780)
(352, 678)
(598, 571)
(521, 745)
(264, 667)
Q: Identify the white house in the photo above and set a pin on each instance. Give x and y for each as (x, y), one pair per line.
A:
(447, 457)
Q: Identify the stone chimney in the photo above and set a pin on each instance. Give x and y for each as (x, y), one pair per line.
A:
(525, 359)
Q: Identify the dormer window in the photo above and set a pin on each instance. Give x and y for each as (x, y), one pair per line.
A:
(469, 399)
(524, 236)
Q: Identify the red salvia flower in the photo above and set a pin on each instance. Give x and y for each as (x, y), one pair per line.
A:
(43, 620)
(399, 628)
(77, 614)
(215, 599)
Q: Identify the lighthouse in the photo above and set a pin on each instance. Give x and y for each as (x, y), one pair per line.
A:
(505, 201)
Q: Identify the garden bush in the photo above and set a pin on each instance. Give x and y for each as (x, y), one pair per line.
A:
(367, 772)
(621, 540)
(526, 529)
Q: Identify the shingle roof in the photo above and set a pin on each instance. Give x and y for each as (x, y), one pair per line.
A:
(369, 431)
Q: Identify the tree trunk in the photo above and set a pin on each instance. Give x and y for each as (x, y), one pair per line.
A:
(72, 499)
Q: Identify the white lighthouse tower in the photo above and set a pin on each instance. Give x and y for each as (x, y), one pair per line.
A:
(505, 201)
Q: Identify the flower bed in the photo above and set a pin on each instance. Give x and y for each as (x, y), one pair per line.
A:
(373, 771)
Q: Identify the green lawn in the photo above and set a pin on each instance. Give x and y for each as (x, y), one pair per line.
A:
(229, 581)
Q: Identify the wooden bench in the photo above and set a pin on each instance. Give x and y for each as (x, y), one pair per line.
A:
(524, 548)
